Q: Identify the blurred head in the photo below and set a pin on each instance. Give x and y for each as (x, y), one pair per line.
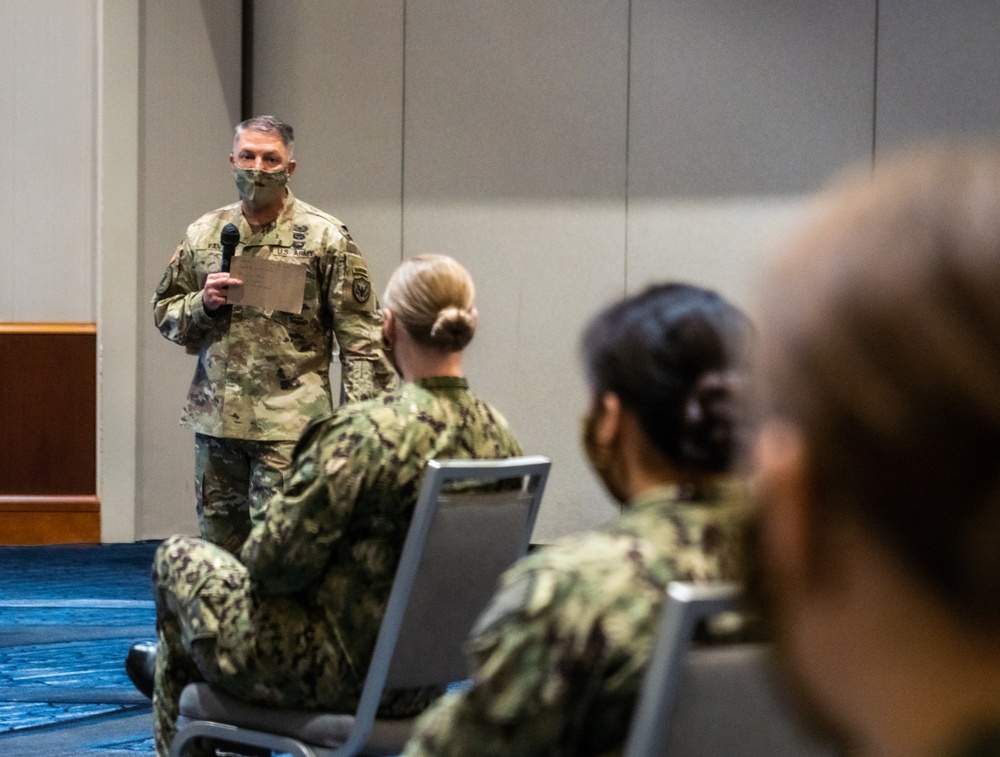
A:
(670, 358)
(880, 374)
(881, 346)
(432, 298)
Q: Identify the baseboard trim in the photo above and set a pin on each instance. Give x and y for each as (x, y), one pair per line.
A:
(49, 503)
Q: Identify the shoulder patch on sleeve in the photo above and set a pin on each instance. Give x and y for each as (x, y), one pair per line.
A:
(165, 282)
(362, 286)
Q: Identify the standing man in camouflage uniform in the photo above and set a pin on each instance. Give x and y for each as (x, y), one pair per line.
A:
(294, 621)
(558, 656)
(263, 375)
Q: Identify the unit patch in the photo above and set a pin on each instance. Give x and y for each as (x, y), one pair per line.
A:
(165, 282)
(362, 288)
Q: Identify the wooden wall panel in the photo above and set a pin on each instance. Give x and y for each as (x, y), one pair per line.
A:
(30, 526)
(48, 434)
(50, 520)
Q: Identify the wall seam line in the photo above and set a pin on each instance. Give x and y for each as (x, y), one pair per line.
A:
(875, 85)
(402, 146)
(628, 134)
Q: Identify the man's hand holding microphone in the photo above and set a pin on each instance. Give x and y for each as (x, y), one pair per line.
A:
(217, 285)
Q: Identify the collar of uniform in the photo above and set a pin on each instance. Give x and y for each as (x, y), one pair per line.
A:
(276, 234)
(443, 382)
(719, 489)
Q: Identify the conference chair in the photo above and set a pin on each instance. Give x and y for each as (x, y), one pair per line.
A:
(713, 700)
(465, 532)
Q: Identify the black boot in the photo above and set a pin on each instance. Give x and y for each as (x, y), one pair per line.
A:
(140, 664)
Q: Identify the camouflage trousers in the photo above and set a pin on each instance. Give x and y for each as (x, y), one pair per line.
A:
(234, 480)
(213, 626)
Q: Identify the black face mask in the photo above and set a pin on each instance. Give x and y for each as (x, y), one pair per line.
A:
(603, 458)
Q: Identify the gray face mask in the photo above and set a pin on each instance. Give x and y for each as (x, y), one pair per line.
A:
(260, 188)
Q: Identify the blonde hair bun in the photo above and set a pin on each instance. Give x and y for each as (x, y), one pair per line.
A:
(454, 328)
(434, 298)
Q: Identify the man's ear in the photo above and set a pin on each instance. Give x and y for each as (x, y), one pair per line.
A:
(609, 421)
(290, 167)
(784, 499)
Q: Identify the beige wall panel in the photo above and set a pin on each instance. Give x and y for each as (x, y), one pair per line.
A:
(719, 244)
(735, 110)
(514, 164)
(938, 70)
(117, 267)
(334, 70)
(190, 84)
(736, 98)
(47, 205)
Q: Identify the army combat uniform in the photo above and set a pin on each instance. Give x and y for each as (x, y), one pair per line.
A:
(558, 656)
(295, 624)
(262, 376)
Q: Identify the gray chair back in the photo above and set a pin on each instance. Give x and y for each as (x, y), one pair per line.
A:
(715, 701)
(472, 519)
(458, 545)
(474, 537)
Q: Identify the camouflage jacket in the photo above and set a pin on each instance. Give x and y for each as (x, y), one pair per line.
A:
(330, 543)
(558, 656)
(265, 374)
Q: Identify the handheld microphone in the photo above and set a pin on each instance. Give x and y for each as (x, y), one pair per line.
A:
(230, 238)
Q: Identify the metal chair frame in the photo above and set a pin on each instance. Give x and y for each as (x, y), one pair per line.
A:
(534, 470)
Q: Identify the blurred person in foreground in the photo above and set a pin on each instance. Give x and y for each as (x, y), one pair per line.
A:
(879, 457)
(293, 622)
(558, 656)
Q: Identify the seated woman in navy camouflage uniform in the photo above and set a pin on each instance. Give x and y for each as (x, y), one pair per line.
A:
(558, 656)
(293, 622)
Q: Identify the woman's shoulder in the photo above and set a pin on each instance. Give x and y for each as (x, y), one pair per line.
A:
(566, 587)
(385, 418)
(588, 558)
(454, 404)
(354, 419)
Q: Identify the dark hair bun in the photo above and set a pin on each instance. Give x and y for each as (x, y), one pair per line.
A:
(672, 354)
(712, 421)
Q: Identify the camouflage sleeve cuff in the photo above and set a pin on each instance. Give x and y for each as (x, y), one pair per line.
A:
(201, 317)
(366, 377)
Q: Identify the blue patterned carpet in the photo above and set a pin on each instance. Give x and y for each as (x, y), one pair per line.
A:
(67, 617)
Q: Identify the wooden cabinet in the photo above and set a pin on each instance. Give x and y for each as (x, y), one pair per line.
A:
(48, 434)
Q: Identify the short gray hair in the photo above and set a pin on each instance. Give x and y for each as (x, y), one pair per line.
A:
(267, 125)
